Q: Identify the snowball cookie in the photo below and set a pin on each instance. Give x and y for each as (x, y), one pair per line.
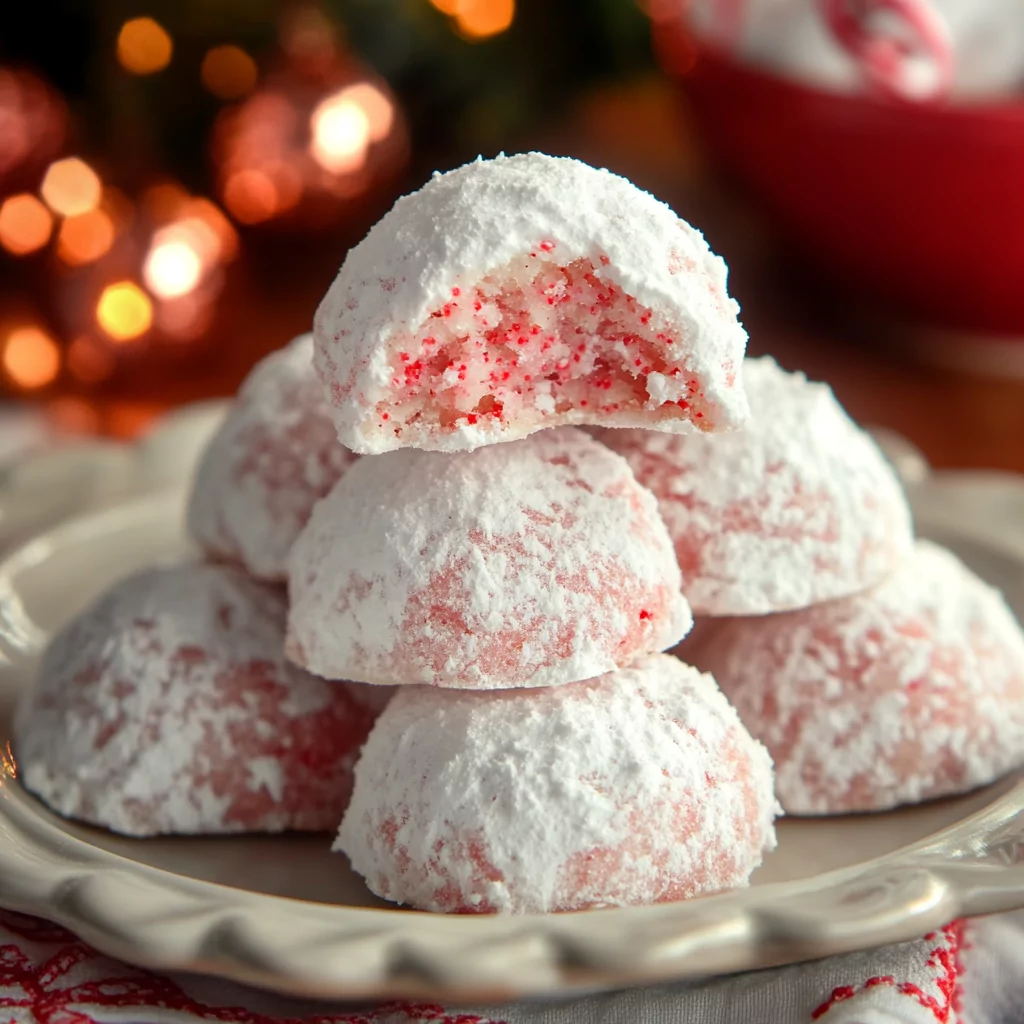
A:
(274, 456)
(799, 507)
(531, 563)
(527, 292)
(168, 707)
(913, 690)
(640, 786)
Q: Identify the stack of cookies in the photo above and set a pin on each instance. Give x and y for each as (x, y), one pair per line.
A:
(432, 608)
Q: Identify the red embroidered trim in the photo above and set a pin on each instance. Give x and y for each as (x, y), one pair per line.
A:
(37, 987)
(944, 959)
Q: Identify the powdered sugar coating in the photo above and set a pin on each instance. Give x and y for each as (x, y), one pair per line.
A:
(532, 563)
(799, 507)
(522, 254)
(168, 707)
(910, 691)
(274, 456)
(640, 786)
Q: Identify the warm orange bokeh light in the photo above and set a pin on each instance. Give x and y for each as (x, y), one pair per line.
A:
(201, 213)
(185, 318)
(32, 120)
(450, 7)
(193, 218)
(90, 361)
(71, 187)
(340, 134)
(25, 224)
(197, 234)
(124, 311)
(481, 19)
(378, 108)
(85, 238)
(251, 196)
(172, 268)
(31, 357)
(143, 46)
(228, 72)
(287, 179)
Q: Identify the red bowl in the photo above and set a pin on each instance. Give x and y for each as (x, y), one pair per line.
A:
(921, 208)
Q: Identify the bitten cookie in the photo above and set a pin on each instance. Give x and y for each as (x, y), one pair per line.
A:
(526, 292)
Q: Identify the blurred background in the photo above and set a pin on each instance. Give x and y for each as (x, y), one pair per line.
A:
(180, 180)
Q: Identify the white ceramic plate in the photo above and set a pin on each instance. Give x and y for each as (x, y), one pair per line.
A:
(284, 913)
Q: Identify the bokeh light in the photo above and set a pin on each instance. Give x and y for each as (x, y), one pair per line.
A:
(124, 311)
(228, 72)
(252, 144)
(298, 152)
(33, 120)
(481, 19)
(210, 230)
(31, 358)
(143, 46)
(251, 196)
(71, 187)
(172, 268)
(340, 131)
(378, 108)
(192, 236)
(449, 7)
(195, 233)
(89, 360)
(85, 238)
(25, 224)
(184, 318)
(287, 179)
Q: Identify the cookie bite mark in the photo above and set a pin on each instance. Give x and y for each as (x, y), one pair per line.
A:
(535, 292)
(538, 342)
